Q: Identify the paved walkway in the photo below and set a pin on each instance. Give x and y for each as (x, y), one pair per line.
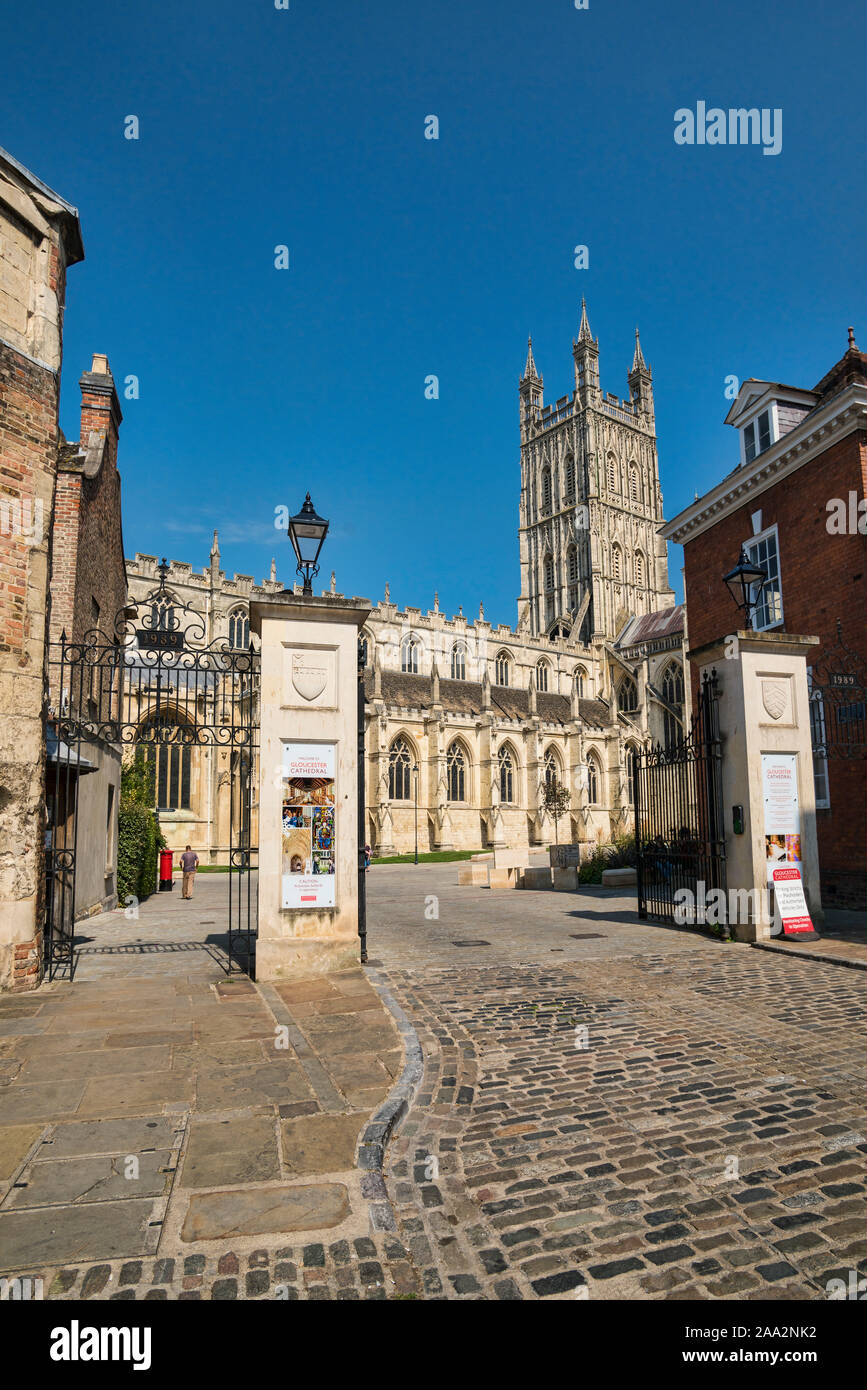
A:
(607, 1109)
(160, 1119)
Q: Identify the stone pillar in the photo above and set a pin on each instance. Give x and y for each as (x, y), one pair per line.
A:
(309, 697)
(763, 709)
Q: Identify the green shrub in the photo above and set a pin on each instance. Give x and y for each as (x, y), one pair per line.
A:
(139, 839)
(618, 853)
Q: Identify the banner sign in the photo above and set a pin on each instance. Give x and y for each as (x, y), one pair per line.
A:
(782, 811)
(790, 905)
(308, 875)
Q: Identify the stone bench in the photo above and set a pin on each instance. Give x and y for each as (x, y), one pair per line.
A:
(473, 875)
(566, 880)
(504, 878)
(618, 878)
(537, 877)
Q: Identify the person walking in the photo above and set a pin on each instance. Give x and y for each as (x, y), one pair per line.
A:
(189, 864)
(366, 857)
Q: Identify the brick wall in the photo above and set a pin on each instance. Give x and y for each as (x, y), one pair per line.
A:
(39, 236)
(823, 578)
(28, 449)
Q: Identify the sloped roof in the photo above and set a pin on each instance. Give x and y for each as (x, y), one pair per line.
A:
(664, 622)
(402, 691)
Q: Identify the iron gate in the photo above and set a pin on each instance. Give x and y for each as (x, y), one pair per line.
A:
(838, 703)
(679, 825)
(152, 693)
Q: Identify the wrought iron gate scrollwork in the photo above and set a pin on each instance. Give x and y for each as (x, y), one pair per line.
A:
(838, 702)
(679, 825)
(153, 686)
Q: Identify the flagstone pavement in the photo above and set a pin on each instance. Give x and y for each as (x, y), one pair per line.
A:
(654, 1114)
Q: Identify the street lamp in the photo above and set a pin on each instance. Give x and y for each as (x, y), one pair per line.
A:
(745, 583)
(307, 532)
(415, 775)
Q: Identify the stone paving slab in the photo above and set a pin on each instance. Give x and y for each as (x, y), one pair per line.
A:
(283, 1210)
(74, 1233)
(227, 1103)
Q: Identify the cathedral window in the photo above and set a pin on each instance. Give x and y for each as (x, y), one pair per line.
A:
(569, 475)
(627, 696)
(456, 767)
(546, 489)
(634, 493)
(164, 745)
(631, 772)
(410, 653)
(639, 569)
(239, 629)
(502, 669)
(459, 662)
(672, 693)
(572, 576)
(549, 573)
(552, 769)
(593, 780)
(616, 564)
(399, 768)
(506, 763)
(612, 473)
(580, 681)
(541, 675)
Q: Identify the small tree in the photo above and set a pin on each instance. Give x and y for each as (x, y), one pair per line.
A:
(557, 800)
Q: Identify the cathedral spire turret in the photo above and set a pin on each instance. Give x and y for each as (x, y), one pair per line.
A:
(585, 351)
(584, 334)
(530, 373)
(638, 358)
(640, 381)
(530, 391)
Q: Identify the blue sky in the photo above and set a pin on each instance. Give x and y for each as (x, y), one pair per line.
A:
(411, 257)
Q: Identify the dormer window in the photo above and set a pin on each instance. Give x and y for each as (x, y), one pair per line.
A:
(757, 436)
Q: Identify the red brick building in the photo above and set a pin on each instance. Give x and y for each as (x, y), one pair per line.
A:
(796, 503)
(40, 237)
(88, 590)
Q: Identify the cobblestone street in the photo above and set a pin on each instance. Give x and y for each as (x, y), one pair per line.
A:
(655, 1114)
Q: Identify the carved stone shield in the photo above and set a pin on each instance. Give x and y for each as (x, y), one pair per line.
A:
(774, 697)
(308, 678)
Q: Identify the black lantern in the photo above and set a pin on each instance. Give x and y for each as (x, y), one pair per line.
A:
(745, 583)
(307, 532)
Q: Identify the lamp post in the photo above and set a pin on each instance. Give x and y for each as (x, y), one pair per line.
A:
(745, 583)
(307, 532)
(415, 776)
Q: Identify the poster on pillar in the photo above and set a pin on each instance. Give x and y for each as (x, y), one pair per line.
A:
(308, 826)
(782, 817)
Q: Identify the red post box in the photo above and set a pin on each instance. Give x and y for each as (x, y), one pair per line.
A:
(166, 858)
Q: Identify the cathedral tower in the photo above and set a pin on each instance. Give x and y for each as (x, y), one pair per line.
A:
(591, 503)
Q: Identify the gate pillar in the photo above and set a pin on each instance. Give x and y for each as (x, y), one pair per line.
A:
(308, 783)
(767, 769)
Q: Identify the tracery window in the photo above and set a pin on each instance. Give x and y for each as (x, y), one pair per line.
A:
(459, 662)
(541, 675)
(399, 769)
(627, 696)
(506, 763)
(593, 780)
(410, 650)
(456, 770)
(239, 629)
(502, 669)
(165, 748)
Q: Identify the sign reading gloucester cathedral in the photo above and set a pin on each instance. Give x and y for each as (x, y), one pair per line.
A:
(308, 826)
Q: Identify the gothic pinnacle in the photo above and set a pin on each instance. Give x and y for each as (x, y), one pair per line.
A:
(638, 362)
(530, 369)
(584, 334)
